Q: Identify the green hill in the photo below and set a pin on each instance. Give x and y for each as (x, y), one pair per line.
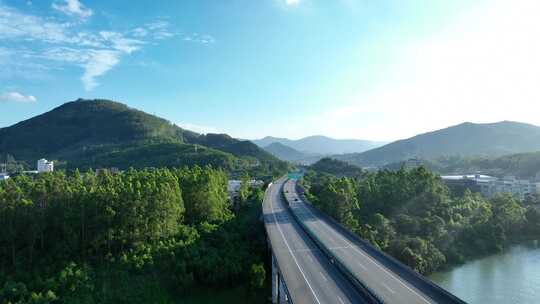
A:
(287, 153)
(464, 140)
(336, 167)
(522, 165)
(103, 133)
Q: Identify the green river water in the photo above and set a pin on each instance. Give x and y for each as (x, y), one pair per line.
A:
(511, 277)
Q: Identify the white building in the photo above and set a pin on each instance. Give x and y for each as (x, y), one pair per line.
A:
(490, 186)
(519, 188)
(44, 165)
(3, 176)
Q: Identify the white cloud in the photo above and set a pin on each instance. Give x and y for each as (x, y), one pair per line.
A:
(94, 62)
(195, 37)
(292, 2)
(72, 8)
(157, 25)
(95, 51)
(15, 25)
(197, 128)
(140, 32)
(119, 42)
(159, 29)
(483, 67)
(14, 67)
(98, 63)
(17, 97)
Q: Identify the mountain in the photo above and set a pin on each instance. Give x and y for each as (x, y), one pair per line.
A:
(521, 165)
(336, 167)
(286, 153)
(321, 145)
(464, 140)
(96, 133)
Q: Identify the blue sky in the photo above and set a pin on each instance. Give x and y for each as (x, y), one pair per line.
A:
(380, 70)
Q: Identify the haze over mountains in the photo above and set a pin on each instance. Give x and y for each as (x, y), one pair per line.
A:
(103, 133)
(465, 140)
(287, 153)
(314, 147)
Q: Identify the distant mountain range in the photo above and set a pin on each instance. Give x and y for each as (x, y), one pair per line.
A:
(321, 145)
(284, 152)
(464, 140)
(103, 133)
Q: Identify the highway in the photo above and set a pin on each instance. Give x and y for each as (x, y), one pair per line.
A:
(308, 274)
(388, 286)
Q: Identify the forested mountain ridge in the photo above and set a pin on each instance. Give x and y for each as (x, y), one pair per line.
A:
(319, 144)
(284, 152)
(465, 140)
(521, 165)
(99, 132)
(336, 167)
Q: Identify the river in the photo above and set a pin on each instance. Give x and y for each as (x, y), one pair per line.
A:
(512, 276)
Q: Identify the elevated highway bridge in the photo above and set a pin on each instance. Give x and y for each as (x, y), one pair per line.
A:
(316, 260)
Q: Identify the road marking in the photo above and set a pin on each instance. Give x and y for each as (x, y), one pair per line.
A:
(305, 250)
(337, 248)
(298, 250)
(322, 275)
(340, 300)
(361, 265)
(292, 254)
(386, 286)
(372, 260)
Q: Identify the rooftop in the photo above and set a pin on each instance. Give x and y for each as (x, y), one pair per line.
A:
(468, 176)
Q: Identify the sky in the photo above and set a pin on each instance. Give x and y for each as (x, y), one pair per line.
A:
(377, 70)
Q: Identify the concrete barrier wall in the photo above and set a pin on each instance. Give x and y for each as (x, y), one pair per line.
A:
(368, 294)
(417, 280)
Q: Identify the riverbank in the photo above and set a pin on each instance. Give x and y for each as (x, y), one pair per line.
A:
(512, 276)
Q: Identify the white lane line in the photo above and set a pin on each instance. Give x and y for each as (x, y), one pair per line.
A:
(305, 250)
(292, 254)
(298, 250)
(386, 286)
(373, 261)
(322, 275)
(340, 300)
(361, 265)
(338, 248)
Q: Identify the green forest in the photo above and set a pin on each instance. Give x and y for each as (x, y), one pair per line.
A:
(412, 215)
(99, 133)
(140, 236)
(522, 165)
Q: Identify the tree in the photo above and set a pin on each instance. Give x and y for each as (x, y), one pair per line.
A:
(257, 276)
(204, 194)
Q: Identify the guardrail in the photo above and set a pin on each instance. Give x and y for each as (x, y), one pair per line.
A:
(270, 241)
(357, 283)
(429, 288)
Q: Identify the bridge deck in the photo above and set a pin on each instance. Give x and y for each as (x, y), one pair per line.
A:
(309, 276)
(390, 287)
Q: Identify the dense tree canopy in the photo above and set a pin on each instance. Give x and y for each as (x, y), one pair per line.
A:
(411, 215)
(127, 237)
